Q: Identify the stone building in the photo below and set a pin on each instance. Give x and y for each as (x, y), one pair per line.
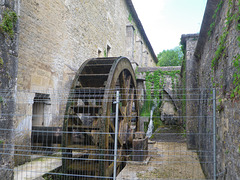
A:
(212, 59)
(52, 39)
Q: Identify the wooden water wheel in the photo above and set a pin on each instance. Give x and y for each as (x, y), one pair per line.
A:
(89, 123)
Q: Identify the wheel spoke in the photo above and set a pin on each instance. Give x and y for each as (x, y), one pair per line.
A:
(122, 80)
(128, 80)
(122, 110)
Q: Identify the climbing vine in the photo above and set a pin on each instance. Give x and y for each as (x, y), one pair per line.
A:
(157, 80)
(236, 62)
(1, 62)
(130, 18)
(8, 22)
(154, 83)
(105, 53)
(221, 50)
(212, 26)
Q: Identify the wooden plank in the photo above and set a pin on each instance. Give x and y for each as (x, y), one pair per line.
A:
(93, 75)
(112, 135)
(84, 127)
(89, 90)
(109, 170)
(86, 108)
(103, 61)
(94, 65)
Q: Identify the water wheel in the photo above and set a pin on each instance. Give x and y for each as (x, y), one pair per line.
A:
(89, 122)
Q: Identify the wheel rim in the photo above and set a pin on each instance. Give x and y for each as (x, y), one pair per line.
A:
(117, 75)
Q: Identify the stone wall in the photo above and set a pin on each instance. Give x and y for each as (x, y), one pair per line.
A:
(189, 43)
(219, 76)
(56, 37)
(8, 76)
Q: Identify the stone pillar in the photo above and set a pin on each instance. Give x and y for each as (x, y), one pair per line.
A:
(190, 42)
(130, 42)
(8, 77)
(140, 52)
(145, 55)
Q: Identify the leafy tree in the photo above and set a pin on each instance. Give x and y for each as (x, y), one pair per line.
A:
(172, 57)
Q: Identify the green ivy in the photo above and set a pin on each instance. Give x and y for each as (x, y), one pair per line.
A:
(212, 26)
(236, 62)
(154, 83)
(105, 53)
(221, 50)
(1, 62)
(8, 22)
(130, 18)
(157, 79)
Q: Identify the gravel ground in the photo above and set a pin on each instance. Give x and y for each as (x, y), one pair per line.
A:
(170, 159)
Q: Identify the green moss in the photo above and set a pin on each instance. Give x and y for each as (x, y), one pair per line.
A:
(105, 53)
(236, 63)
(157, 81)
(8, 22)
(221, 50)
(212, 26)
(227, 151)
(1, 61)
(130, 18)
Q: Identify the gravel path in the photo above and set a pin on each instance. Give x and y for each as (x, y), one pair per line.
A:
(170, 159)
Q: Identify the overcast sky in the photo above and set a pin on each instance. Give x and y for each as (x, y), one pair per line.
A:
(164, 21)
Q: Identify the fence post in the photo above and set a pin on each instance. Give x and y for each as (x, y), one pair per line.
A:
(116, 135)
(214, 135)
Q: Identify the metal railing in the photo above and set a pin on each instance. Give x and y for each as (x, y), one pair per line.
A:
(58, 135)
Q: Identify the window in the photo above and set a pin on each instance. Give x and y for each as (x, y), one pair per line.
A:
(99, 52)
(108, 50)
(41, 110)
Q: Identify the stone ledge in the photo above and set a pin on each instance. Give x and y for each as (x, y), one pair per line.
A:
(152, 69)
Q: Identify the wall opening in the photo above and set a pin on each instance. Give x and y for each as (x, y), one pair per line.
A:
(99, 53)
(41, 110)
(108, 50)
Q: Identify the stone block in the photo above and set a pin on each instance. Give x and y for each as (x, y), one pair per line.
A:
(140, 135)
(36, 80)
(140, 149)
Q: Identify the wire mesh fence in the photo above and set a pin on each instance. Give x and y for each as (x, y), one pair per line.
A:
(94, 133)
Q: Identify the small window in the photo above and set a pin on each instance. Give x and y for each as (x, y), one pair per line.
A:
(99, 53)
(108, 51)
